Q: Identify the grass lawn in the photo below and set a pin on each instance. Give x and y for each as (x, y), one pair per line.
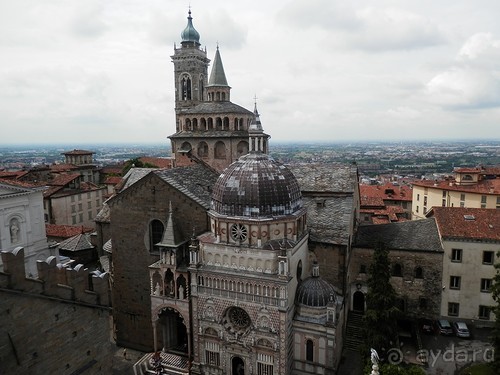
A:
(479, 369)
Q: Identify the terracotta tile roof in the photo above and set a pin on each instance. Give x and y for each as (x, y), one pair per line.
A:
(158, 162)
(65, 231)
(113, 180)
(114, 169)
(491, 186)
(23, 184)
(371, 201)
(467, 223)
(62, 167)
(12, 174)
(467, 170)
(385, 192)
(63, 179)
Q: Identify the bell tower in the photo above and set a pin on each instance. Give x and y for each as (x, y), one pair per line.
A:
(190, 69)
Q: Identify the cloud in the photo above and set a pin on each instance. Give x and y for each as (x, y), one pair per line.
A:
(473, 81)
(88, 20)
(372, 29)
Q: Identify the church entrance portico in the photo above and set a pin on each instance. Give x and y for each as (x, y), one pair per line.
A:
(171, 333)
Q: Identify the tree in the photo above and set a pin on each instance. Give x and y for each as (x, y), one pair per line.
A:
(137, 163)
(495, 290)
(380, 319)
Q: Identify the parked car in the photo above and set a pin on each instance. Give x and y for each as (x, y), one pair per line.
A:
(444, 327)
(427, 326)
(461, 329)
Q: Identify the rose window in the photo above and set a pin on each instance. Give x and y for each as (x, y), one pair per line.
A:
(239, 232)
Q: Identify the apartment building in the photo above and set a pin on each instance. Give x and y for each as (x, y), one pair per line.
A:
(470, 187)
(471, 240)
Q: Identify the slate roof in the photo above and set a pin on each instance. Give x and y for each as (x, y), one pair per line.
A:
(409, 235)
(77, 243)
(329, 217)
(325, 177)
(104, 215)
(63, 179)
(467, 223)
(195, 181)
(331, 223)
(216, 108)
(132, 176)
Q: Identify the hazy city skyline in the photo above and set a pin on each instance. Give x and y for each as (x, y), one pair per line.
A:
(83, 72)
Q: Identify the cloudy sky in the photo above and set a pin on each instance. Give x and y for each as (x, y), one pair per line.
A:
(84, 71)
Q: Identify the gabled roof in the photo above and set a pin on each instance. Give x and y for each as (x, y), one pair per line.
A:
(416, 235)
(104, 214)
(13, 187)
(63, 179)
(195, 181)
(467, 223)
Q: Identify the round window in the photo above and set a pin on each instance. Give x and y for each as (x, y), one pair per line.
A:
(239, 232)
(238, 317)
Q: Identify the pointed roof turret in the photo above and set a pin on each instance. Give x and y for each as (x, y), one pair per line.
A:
(171, 236)
(255, 125)
(217, 76)
(189, 35)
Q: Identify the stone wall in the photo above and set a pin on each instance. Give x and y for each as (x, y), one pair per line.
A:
(409, 288)
(131, 214)
(53, 324)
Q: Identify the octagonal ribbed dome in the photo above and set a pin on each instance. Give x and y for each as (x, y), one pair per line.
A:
(256, 186)
(315, 292)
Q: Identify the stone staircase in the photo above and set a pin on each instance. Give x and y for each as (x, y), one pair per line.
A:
(354, 331)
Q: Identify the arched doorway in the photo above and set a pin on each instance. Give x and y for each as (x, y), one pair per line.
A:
(358, 302)
(237, 366)
(173, 332)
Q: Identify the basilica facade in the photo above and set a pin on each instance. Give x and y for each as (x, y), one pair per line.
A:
(211, 260)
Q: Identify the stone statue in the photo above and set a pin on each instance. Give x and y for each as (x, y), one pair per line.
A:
(157, 289)
(14, 229)
(374, 357)
(181, 292)
(375, 360)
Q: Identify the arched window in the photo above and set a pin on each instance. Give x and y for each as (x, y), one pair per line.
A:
(186, 87)
(218, 123)
(220, 150)
(225, 125)
(156, 229)
(242, 148)
(195, 124)
(188, 125)
(186, 146)
(467, 177)
(203, 124)
(203, 150)
(210, 123)
(397, 270)
(419, 273)
(309, 350)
